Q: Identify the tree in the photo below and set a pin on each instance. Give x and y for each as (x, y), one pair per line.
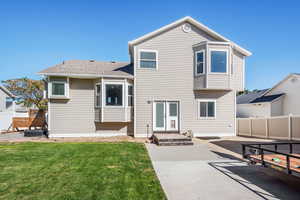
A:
(28, 92)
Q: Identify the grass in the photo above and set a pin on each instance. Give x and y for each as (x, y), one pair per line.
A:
(77, 171)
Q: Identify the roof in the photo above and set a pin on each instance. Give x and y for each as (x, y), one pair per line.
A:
(267, 98)
(196, 24)
(283, 80)
(90, 68)
(4, 89)
(247, 98)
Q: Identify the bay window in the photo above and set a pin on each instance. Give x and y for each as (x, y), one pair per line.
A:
(114, 94)
(218, 61)
(98, 95)
(200, 62)
(130, 95)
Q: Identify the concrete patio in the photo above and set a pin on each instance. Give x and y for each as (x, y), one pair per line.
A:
(211, 169)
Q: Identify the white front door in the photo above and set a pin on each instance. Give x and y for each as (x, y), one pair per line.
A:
(165, 116)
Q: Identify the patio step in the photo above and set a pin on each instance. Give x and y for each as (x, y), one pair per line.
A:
(172, 140)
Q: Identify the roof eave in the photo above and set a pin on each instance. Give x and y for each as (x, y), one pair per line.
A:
(86, 75)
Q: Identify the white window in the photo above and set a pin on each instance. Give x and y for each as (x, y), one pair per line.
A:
(130, 95)
(98, 95)
(206, 109)
(218, 61)
(113, 94)
(148, 59)
(59, 89)
(200, 62)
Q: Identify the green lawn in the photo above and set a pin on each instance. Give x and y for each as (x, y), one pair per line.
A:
(77, 171)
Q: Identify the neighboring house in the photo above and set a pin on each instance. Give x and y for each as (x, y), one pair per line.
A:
(7, 100)
(282, 99)
(183, 76)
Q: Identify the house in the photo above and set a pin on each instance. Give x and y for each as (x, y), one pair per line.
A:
(7, 100)
(183, 76)
(282, 99)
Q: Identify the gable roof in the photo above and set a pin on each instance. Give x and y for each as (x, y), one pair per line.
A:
(196, 24)
(6, 91)
(282, 81)
(267, 98)
(90, 68)
(248, 98)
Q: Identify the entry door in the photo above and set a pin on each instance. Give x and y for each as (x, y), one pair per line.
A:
(172, 115)
(165, 116)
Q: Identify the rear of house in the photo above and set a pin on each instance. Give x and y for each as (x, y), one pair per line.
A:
(181, 77)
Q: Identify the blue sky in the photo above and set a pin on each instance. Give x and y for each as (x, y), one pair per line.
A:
(38, 34)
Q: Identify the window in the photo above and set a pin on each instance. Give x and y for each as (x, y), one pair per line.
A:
(148, 59)
(98, 95)
(200, 62)
(207, 109)
(130, 95)
(218, 61)
(58, 89)
(114, 94)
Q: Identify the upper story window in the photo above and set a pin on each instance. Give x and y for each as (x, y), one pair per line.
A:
(114, 94)
(219, 61)
(148, 59)
(207, 109)
(200, 62)
(98, 95)
(130, 95)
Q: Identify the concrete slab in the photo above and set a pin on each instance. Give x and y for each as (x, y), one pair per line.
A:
(199, 172)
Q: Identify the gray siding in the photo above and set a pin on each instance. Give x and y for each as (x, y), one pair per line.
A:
(174, 80)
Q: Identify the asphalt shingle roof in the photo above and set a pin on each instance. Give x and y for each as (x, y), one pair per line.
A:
(247, 98)
(267, 98)
(90, 67)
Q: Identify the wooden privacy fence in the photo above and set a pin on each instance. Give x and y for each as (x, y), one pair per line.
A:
(281, 127)
(36, 119)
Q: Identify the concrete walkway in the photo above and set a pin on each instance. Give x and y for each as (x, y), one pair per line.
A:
(200, 172)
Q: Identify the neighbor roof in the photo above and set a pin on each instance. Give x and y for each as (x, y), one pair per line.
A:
(4, 89)
(283, 80)
(248, 98)
(267, 98)
(196, 24)
(90, 68)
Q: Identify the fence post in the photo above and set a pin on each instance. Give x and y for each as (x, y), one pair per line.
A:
(267, 128)
(290, 127)
(250, 124)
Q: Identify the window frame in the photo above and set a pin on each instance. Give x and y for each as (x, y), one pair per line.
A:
(66, 91)
(132, 95)
(104, 94)
(206, 101)
(196, 62)
(227, 61)
(100, 95)
(150, 51)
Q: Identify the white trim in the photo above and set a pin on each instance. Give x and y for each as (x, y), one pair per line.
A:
(102, 103)
(134, 91)
(151, 51)
(196, 24)
(211, 43)
(123, 93)
(213, 134)
(67, 135)
(85, 75)
(198, 109)
(196, 62)
(235, 113)
(227, 60)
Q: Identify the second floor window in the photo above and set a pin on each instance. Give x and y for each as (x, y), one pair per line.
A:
(114, 94)
(218, 62)
(148, 59)
(200, 62)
